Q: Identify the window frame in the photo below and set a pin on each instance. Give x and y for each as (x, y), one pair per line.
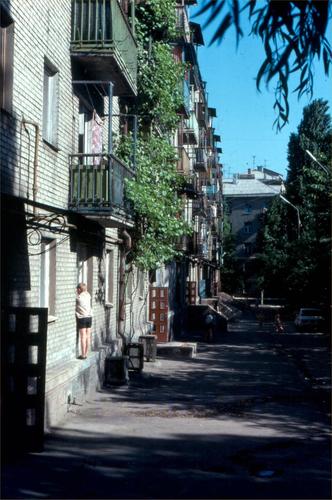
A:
(7, 33)
(109, 278)
(248, 208)
(248, 227)
(47, 277)
(50, 104)
(85, 268)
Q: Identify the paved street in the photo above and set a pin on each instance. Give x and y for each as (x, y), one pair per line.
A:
(247, 418)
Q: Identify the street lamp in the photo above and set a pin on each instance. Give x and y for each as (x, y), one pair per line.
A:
(297, 211)
(316, 161)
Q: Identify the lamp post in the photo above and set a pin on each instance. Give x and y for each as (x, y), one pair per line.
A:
(297, 211)
(316, 161)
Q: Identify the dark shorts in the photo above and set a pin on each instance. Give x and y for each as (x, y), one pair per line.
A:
(84, 322)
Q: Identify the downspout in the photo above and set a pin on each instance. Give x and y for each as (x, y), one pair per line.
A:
(125, 248)
(35, 163)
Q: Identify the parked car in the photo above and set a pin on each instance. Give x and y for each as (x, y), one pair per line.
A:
(309, 318)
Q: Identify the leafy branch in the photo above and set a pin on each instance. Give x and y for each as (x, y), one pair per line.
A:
(293, 37)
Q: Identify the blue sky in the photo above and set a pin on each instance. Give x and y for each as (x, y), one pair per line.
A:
(245, 116)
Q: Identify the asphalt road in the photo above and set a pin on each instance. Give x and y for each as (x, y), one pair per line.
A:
(247, 418)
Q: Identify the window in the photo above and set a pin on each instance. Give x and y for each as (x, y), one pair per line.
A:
(248, 248)
(85, 268)
(109, 277)
(141, 283)
(47, 284)
(247, 208)
(50, 104)
(248, 227)
(6, 60)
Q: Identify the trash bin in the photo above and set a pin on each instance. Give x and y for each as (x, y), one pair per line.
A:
(116, 370)
(135, 353)
(150, 346)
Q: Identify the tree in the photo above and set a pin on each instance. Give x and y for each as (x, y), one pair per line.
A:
(303, 260)
(272, 249)
(230, 273)
(153, 192)
(293, 36)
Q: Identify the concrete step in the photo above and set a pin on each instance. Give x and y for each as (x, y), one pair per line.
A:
(177, 349)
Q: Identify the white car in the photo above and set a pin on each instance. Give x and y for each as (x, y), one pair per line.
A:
(309, 318)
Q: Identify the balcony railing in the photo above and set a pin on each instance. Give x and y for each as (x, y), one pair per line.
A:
(202, 114)
(183, 162)
(97, 184)
(182, 23)
(100, 28)
(191, 130)
(201, 160)
(186, 97)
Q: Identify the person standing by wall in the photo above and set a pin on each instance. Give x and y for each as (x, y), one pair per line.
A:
(84, 318)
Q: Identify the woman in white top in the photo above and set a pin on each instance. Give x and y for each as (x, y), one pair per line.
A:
(84, 318)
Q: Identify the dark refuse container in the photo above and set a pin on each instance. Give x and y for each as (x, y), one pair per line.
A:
(149, 346)
(135, 353)
(116, 370)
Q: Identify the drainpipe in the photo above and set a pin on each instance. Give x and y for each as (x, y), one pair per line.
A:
(35, 163)
(124, 250)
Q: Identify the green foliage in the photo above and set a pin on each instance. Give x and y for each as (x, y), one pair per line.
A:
(156, 19)
(154, 197)
(298, 264)
(230, 273)
(153, 193)
(160, 77)
(293, 37)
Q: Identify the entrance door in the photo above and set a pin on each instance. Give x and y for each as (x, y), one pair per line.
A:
(23, 378)
(158, 311)
(191, 292)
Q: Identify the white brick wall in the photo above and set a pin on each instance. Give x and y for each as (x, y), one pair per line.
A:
(42, 29)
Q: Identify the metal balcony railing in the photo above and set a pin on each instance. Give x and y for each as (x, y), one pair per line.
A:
(182, 23)
(191, 130)
(97, 183)
(183, 162)
(100, 26)
(201, 159)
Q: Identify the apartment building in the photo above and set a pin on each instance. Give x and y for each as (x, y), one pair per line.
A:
(68, 69)
(199, 161)
(247, 198)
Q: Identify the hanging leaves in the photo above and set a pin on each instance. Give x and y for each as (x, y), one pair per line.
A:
(293, 36)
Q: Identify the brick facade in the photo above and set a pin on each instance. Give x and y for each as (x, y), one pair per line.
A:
(42, 31)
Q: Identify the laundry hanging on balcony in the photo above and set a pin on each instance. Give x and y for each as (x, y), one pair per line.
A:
(97, 138)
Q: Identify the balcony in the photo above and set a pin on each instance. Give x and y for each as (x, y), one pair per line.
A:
(189, 187)
(103, 46)
(183, 162)
(186, 95)
(199, 207)
(182, 24)
(202, 114)
(201, 160)
(97, 188)
(191, 130)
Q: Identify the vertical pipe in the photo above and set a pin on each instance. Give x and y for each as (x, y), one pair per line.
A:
(110, 115)
(110, 143)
